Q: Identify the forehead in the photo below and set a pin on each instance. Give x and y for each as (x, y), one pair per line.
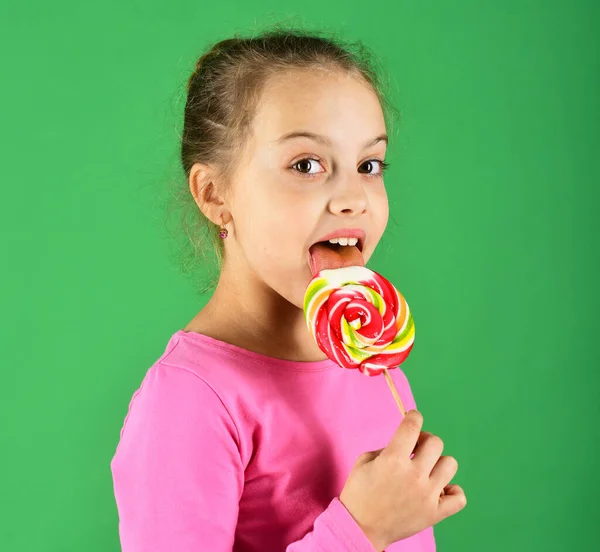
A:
(334, 104)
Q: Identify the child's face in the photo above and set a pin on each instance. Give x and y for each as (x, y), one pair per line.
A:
(278, 210)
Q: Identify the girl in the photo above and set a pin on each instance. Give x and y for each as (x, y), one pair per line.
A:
(243, 435)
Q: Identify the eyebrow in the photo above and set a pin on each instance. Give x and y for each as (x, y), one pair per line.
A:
(324, 140)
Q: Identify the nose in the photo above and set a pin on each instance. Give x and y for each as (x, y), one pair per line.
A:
(349, 197)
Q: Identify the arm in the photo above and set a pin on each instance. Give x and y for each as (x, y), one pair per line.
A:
(178, 476)
(177, 472)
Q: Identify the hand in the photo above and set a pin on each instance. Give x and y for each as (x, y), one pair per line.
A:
(392, 496)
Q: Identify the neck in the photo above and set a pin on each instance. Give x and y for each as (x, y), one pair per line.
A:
(246, 312)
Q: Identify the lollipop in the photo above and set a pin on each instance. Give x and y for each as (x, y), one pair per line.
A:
(360, 321)
(356, 316)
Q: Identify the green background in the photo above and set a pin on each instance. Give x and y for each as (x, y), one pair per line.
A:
(493, 240)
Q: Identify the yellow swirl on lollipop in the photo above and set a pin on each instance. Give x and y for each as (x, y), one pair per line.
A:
(359, 319)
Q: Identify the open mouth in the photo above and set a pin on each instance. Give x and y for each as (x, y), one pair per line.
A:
(326, 255)
(337, 247)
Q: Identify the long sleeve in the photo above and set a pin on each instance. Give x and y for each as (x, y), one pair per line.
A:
(177, 471)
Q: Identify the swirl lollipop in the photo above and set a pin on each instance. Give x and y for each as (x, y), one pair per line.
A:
(360, 321)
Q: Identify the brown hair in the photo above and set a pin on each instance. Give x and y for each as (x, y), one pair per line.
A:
(222, 94)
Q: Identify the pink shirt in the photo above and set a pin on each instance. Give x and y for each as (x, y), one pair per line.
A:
(226, 449)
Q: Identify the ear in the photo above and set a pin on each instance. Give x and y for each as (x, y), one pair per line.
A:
(203, 187)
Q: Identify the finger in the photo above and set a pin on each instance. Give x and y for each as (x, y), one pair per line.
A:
(428, 453)
(452, 502)
(443, 471)
(406, 436)
(422, 436)
(452, 487)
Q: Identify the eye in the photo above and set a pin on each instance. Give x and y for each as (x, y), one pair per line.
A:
(307, 163)
(369, 163)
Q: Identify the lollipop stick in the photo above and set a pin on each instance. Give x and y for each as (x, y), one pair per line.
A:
(394, 391)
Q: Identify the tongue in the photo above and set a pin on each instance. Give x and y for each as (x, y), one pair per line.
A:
(323, 257)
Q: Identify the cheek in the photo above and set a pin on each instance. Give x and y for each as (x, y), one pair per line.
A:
(378, 219)
(380, 208)
(385, 213)
(272, 239)
(280, 215)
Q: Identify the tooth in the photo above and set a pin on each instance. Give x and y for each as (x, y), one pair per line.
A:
(343, 241)
(352, 241)
(333, 240)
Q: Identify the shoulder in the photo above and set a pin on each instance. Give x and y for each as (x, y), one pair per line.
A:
(177, 385)
(194, 380)
(174, 396)
(181, 385)
(175, 408)
(202, 358)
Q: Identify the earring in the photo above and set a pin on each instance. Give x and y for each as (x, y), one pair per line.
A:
(223, 233)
